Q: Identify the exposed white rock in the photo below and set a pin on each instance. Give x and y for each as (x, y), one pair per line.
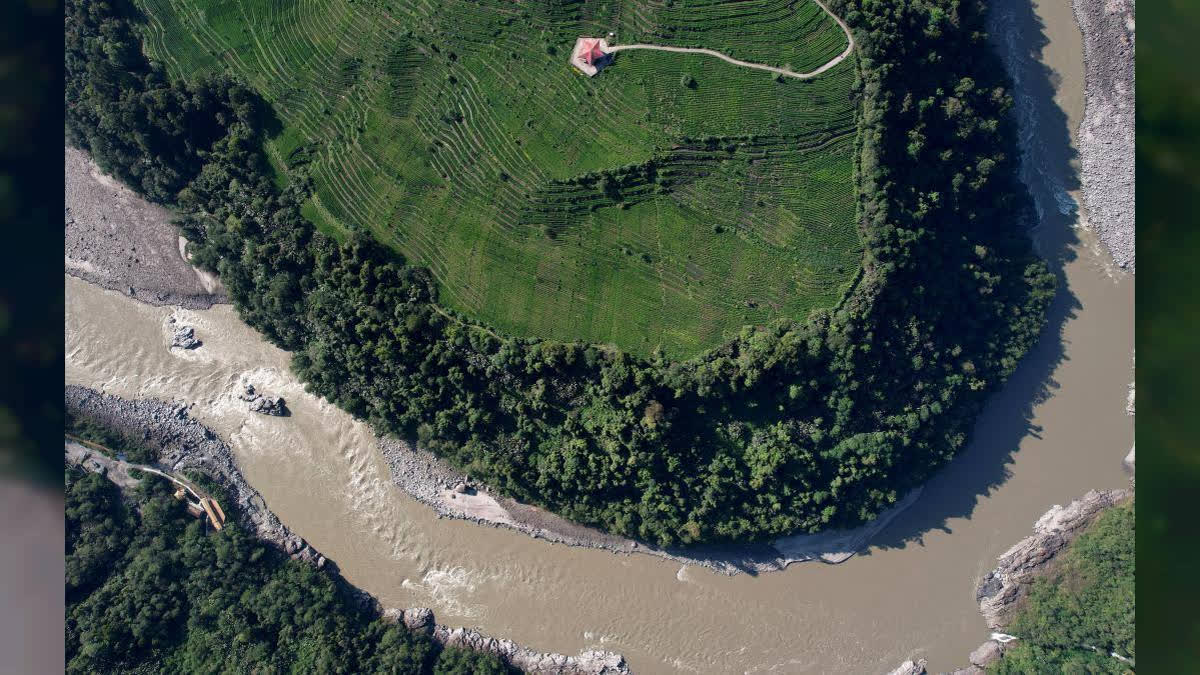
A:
(910, 667)
(591, 662)
(1000, 590)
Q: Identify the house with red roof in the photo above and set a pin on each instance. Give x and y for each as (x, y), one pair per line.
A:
(590, 55)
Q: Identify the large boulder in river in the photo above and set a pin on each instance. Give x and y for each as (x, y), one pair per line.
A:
(259, 403)
(184, 337)
(986, 653)
(268, 405)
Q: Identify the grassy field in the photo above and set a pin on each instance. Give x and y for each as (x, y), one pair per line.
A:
(667, 202)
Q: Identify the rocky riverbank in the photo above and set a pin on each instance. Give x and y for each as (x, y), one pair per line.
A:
(118, 240)
(1106, 134)
(186, 444)
(1002, 589)
(421, 620)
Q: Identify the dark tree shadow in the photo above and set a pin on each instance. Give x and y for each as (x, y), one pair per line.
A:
(1049, 169)
(266, 118)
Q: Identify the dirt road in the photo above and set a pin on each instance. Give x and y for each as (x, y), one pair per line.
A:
(757, 66)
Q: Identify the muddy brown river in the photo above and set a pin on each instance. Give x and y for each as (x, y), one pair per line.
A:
(1056, 430)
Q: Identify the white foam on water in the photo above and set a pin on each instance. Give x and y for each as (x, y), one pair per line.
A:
(450, 589)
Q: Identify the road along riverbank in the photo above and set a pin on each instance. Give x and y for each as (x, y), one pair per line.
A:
(184, 444)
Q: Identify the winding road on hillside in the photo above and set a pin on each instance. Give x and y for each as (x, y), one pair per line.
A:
(757, 66)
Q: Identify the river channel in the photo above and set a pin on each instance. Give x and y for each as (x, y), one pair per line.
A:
(1058, 429)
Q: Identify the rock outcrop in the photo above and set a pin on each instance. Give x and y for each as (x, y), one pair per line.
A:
(591, 662)
(183, 336)
(910, 668)
(986, 653)
(1001, 589)
(262, 404)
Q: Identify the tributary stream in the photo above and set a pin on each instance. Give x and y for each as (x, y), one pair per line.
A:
(1058, 429)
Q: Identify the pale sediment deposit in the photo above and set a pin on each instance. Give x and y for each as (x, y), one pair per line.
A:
(1106, 135)
(118, 240)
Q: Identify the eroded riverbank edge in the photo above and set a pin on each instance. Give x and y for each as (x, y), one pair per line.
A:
(185, 444)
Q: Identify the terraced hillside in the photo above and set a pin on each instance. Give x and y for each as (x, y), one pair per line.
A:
(666, 202)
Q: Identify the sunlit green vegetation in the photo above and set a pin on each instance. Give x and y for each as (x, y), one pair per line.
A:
(150, 589)
(120, 444)
(456, 133)
(1086, 602)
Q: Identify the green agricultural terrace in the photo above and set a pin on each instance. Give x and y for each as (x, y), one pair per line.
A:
(666, 202)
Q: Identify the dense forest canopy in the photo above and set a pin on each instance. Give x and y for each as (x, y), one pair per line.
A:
(149, 589)
(1086, 602)
(790, 427)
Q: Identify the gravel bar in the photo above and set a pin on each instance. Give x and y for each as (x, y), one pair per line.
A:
(1106, 134)
(118, 240)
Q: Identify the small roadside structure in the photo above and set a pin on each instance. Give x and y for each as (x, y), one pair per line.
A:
(590, 55)
(215, 515)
